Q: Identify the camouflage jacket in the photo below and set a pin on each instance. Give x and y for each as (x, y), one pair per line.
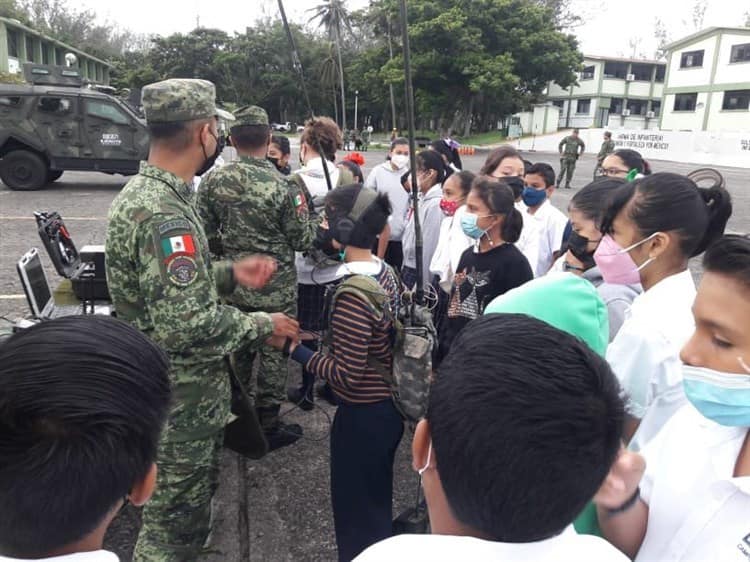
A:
(247, 207)
(161, 277)
(568, 147)
(608, 147)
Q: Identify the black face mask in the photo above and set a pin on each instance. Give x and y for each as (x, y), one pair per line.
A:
(211, 160)
(275, 162)
(579, 247)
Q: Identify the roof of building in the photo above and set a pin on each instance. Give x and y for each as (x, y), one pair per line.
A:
(621, 59)
(18, 25)
(708, 32)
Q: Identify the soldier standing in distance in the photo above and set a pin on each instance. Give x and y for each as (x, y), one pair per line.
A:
(248, 208)
(608, 147)
(569, 154)
(162, 281)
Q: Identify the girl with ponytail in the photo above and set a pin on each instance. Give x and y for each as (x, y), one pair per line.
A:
(651, 228)
(493, 265)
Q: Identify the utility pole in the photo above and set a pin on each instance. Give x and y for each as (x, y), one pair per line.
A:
(356, 100)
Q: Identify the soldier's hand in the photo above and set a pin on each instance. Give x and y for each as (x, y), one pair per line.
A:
(622, 481)
(285, 327)
(254, 271)
(278, 342)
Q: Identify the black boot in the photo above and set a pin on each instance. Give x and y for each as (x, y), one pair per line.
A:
(277, 434)
(303, 396)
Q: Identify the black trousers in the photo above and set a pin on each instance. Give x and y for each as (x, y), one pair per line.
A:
(364, 439)
(394, 254)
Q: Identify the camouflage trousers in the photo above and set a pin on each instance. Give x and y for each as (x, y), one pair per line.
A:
(273, 368)
(177, 519)
(567, 168)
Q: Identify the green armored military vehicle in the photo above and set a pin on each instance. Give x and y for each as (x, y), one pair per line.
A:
(53, 123)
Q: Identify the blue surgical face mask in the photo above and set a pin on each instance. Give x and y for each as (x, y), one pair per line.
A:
(720, 397)
(470, 227)
(533, 197)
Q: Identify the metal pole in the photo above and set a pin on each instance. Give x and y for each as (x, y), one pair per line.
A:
(356, 101)
(297, 63)
(419, 290)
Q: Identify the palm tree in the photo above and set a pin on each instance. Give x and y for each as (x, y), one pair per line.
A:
(334, 16)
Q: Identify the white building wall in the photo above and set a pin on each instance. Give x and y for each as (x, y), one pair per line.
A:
(658, 90)
(640, 89)
(682, 77)
(727, 120)
(554, 91)
(613, 87)
(727, 72)
(683, 120)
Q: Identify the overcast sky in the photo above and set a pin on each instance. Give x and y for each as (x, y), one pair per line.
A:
(610, 25)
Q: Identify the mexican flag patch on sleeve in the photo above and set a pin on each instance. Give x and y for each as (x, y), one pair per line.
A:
(182, 244)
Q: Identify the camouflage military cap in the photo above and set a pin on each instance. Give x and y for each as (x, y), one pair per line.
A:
(179, 99)
(250, 115)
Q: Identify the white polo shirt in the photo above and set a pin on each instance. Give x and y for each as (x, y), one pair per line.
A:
(93, 556)
(528, 243)
(645, 354)
(697, 510)
(550, 225)
(565, 547)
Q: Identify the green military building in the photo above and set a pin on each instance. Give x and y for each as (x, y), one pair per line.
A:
(20, 44)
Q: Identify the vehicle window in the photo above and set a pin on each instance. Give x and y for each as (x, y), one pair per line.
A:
(56, 106)
(106, 110)
(10, 101)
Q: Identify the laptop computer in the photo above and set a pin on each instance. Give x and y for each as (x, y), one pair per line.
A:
(39, 294)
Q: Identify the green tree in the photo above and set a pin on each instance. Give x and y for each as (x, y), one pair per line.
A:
(334, 17)
(476, 61)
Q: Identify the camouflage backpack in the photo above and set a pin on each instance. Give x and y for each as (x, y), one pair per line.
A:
(413, 342)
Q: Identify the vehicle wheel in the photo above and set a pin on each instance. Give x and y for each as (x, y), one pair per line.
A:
(23, 170)
(54, 175)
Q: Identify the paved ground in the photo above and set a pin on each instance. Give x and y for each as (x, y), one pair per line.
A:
(277, 508)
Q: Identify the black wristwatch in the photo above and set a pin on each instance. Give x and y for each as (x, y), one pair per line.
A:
(631, 501)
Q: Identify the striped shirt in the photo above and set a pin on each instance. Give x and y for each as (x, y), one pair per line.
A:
(356, 334)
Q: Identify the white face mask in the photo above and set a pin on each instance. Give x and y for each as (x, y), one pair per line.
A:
(400, 160)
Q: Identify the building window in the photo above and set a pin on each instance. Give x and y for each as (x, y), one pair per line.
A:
(740, 53)
(45, 55)
(691, 59)
(584, 107)
(637, 107)
(615, 70)
(685, 102)
(558, 103)
(12, 43)
(660, 72)
(737, 99)
(615, 106)
(588, 72)
(656, 107)
(9, 101)
(642, 72)
(30, 55)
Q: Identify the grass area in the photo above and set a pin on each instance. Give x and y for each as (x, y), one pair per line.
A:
(491, 137)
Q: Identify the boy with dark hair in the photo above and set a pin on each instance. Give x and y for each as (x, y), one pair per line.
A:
(549, 221)
(505, 483)
(82, 403)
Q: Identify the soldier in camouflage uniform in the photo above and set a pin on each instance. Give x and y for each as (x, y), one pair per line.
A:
(608, 147)
(162, 280)
(247, 207)
(571, 148)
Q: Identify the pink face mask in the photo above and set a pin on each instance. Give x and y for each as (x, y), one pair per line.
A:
(615, 263)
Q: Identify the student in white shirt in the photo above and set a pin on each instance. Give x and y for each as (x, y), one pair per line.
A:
(386, 178)
(550, 221)
(452, 241)
(652, 227)
(686, 496)
(83, 400)
(499, 484)
(505, 163)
